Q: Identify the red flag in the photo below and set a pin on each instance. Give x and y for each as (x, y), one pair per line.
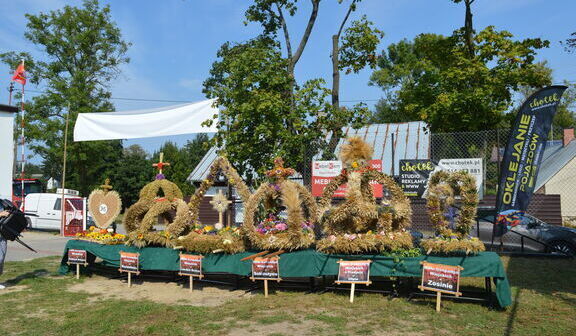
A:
(19, 74)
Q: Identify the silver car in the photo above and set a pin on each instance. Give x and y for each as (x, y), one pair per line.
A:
(531, 235)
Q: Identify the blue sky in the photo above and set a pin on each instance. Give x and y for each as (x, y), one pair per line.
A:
(174, 42)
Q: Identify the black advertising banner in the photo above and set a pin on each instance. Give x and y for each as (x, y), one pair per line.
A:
(524, 150)
(414, 176)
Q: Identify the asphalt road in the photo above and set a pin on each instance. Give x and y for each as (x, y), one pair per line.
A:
(46, 243)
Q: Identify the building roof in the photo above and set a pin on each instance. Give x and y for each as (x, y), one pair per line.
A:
(411, 141)
(8, 108)
(555, 157)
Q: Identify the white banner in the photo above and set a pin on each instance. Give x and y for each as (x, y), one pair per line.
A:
(473, 166)
(171, 120)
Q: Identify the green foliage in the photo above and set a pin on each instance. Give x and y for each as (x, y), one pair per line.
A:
(570, 43)
(82, 52)
(434, 79)
(261, 117)
(358, 48)
(182, 161)
(132, 172)
(264, 12)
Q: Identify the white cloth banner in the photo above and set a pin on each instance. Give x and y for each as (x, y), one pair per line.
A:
(170, 120)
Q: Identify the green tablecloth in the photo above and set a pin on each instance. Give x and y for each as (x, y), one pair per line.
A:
(306, 263)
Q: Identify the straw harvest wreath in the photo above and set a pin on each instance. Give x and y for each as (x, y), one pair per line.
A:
(287, 215)
(141, 217)
(452, 231)
(208, 238)
(104, 205)
(359, 224)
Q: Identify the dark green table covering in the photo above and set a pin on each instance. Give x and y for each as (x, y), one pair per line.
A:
(306, 263)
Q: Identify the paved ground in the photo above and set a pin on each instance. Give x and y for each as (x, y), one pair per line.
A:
(46, 243)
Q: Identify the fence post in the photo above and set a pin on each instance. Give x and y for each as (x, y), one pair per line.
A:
(393, 152)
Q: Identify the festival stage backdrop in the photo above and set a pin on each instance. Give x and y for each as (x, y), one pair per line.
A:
(524, 150)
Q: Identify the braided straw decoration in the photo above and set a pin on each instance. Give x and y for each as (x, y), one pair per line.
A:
(221, 163)
(293, 195)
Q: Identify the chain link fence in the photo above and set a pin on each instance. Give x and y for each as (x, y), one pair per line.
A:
(553, 199)
(555, 186)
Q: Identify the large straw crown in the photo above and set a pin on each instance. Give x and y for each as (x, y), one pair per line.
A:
(355, 149)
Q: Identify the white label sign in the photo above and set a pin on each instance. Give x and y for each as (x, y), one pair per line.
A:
(326, 168)
(472, 166)
(103, 208)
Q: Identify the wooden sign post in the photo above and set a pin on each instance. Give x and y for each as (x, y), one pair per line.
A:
(77, 257)
(266, 268)
(129, 263)
(191, 266)
(440, 279)
(354, 272)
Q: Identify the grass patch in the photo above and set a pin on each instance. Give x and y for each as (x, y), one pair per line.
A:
(544, 295)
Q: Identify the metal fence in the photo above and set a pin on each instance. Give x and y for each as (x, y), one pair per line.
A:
(553, 202)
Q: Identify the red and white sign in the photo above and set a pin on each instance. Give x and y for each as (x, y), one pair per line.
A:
(77, 256)
(325, 171)
(129, 262)
(191, 265)
(74, 216)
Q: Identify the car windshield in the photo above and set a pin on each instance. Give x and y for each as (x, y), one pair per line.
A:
(528, 220)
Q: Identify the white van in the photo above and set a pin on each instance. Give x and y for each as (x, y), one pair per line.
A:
(43, 210)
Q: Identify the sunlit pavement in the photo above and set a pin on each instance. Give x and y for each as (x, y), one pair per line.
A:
(46, 243)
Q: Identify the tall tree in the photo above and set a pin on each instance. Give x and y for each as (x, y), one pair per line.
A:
(292, 116)
(132, 174)
(570, 43)
(82, 50)
(434, 79)
(259, 119)
(468, 27)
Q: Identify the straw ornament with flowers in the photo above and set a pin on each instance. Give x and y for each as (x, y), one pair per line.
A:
(452, 223)
(269, 228)
(208, 238)
(359, 224)
(140, 218)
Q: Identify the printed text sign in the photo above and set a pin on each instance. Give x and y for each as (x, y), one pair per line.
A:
(357, 271)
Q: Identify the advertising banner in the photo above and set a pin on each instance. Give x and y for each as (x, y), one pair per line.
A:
(473, 166)
(523, 153)
(325, 171)
(414, 176)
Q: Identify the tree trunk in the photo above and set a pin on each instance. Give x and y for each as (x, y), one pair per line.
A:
(468, 28)
(335, 73)
(336, 132)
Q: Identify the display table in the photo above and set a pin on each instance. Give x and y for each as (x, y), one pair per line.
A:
(299, 264)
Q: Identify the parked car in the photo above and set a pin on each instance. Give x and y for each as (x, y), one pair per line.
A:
(538, 236)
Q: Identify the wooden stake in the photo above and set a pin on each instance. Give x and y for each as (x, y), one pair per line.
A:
(265, 288)
(352, 289)
(191, 283)
(129, 279)
(438, 300)
(77, 271)
(254, 256)
(62, 204)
